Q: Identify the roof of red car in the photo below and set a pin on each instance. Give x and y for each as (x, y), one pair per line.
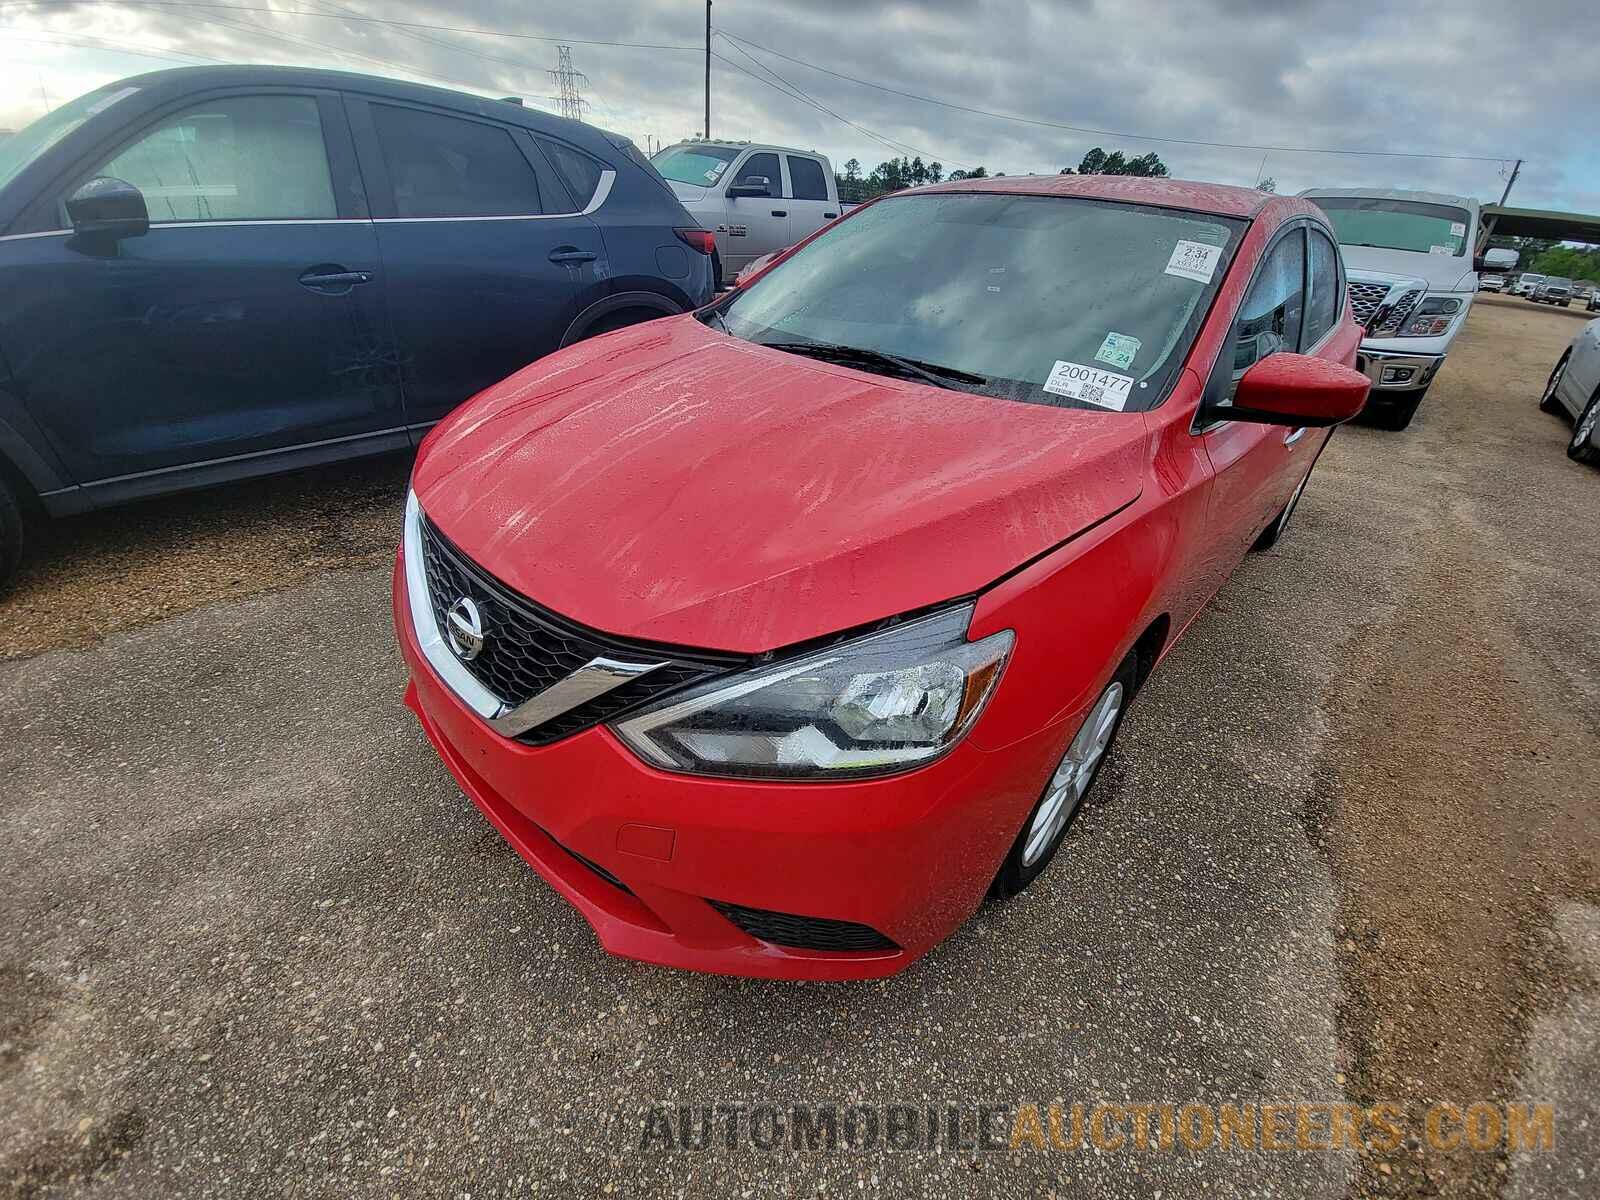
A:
(1191, 194)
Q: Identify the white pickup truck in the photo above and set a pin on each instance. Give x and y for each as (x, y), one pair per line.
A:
(1412, 275)
(755, 199)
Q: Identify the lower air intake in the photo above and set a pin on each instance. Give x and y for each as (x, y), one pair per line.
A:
(803, 933)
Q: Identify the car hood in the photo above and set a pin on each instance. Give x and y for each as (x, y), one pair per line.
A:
(1441, 272)
(671, 483)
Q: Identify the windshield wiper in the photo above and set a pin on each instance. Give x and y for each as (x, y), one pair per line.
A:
(860, 356)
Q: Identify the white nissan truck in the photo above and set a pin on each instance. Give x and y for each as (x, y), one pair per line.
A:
(1412, 274)
(755, 199)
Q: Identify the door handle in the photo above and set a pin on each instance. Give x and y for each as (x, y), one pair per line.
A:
(1294, 437)
(331, 279)
(830, 216)
(571, 254)
(780, 212)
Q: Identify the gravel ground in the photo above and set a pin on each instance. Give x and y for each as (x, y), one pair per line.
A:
(257, 943)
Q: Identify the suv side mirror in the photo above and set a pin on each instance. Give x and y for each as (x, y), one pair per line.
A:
(1295, 390)
(107, 210)
(752, 185)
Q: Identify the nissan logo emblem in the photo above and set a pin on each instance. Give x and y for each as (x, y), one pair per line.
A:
(464, 628)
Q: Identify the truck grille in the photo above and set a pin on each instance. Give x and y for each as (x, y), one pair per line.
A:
(1365, 298)
(528, 649)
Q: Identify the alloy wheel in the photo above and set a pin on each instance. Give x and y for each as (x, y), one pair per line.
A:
(1075, 774)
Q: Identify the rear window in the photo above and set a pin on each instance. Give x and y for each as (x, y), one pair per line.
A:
(578, 171)
(1396, 224)
(1052, 300)
(699, 165)
(446, 167)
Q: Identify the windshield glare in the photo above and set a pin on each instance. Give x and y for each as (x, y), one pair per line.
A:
(1098, 299)
(699, 165)
(21, 148)
(1396, 224)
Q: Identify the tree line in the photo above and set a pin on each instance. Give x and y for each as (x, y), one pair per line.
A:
(894, 174)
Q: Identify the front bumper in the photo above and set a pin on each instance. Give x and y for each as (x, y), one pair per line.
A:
(1393, 371)
(910, 856)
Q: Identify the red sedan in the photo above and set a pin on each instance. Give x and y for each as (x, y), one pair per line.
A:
(779, 635)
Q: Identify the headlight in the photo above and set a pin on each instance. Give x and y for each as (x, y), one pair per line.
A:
(869, 706)
(1432, 317)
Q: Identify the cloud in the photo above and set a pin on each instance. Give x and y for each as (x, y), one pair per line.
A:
(1420, 77)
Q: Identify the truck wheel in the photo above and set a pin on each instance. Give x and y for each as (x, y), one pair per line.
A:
(1395, 411)
(10, 532)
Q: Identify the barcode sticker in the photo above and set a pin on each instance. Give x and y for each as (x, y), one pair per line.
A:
(1105, 389)
(1458, 229)
(1194, 260)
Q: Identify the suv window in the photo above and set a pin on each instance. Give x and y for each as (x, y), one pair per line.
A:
(1269, 319)
(578, 171)
(1327, 297)
(808, 180)
(238, 158)
(763, 166)
(447, 167)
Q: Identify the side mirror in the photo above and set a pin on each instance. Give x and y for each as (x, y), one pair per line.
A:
(1498, 259)
(752, 185)
(107, 210)
(1295, 390)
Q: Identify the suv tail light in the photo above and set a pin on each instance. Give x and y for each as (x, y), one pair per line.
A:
(698, 239)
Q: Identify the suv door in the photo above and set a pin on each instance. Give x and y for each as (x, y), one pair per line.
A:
(809, 206)
(757, 225)
(488, 258)
(218, 333)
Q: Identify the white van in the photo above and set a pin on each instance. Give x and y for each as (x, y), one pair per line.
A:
(755, 199)
(1412, 276)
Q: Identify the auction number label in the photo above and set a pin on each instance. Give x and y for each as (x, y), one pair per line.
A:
(1092, 385)
(1194, 260)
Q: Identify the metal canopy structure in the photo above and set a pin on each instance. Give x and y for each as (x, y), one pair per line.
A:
(1538, 223)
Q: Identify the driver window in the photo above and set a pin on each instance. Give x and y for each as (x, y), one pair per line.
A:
(1270, 316)
(759, 166)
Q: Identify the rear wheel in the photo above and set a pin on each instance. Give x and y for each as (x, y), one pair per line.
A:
(1058, 807)
(1548, 402)
(1581, 447)
(10, 531)
(1270, 535)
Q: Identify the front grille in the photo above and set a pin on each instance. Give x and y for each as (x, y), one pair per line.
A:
(803, 933)
(1365, 299)
(528, 648)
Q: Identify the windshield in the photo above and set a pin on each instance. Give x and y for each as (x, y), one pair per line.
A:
(1396, 224)
(699, 165)
(20, 149)
(1557, 281)
(1053, 300)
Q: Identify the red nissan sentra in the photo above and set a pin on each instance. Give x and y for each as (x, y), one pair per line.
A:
(779, 635)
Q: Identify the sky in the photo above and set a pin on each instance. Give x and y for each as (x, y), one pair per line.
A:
(1486, 81)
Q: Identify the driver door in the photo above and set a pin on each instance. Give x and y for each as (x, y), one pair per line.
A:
(757, 225)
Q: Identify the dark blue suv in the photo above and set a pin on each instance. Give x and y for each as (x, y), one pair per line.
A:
(218, 272)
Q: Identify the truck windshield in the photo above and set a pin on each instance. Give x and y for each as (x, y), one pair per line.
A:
(22, 148)
(1396, 224)
(699, 165)
(1063, 301)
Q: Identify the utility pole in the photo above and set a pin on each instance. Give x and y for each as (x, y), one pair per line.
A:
(1515, 171)
(708, 70)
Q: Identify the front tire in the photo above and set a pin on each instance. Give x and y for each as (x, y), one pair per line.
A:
(1549, 402)
(1049, 819)
(1395, 411)
(1581, 447)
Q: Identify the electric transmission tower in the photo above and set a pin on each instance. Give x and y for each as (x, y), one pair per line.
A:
(569, 83)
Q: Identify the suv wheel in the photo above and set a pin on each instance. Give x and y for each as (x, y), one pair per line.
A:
(10, 531)
(1395, 411)
(1058, 807)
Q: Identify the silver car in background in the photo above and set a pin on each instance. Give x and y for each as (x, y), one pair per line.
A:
(1574, 391)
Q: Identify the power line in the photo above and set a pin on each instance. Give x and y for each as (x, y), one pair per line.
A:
(301, 12)
(1106, 133)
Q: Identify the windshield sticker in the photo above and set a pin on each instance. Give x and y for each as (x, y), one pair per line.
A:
(1458, 229)
(1440, 250)
(1118, 349)
(1194, 260)
(1089, 384)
